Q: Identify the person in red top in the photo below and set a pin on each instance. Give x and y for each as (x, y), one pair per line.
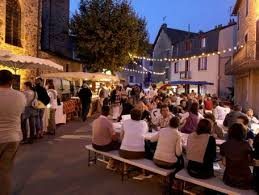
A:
(208, 104)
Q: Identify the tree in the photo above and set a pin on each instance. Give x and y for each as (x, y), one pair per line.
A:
(106, 32)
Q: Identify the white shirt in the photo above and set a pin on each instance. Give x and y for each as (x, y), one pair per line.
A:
(169, 145)
(12, 104)
(133, 139)
(152, 93)
(30, 96)
(220, 113)
(53, 94)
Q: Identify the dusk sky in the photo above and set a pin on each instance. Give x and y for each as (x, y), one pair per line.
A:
(200, 14)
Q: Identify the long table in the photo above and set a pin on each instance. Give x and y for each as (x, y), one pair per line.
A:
(148, 136)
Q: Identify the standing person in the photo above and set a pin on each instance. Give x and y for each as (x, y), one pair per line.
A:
(237, 155)
(85, 96)
(29, 113)
(11, 107)
(44, 98)
(53, 94)
(116, 100)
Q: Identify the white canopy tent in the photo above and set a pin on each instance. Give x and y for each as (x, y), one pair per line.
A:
(27, 62)
(73, 76)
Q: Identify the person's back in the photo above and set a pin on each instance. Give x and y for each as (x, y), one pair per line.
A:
(190, 124)
(102, 131)
(133, 139)
(237, 154)
(201, 151)
(42, 94)
(11, 108)
(168, 146)
(231, 117)
(85, 94)
(104, 137)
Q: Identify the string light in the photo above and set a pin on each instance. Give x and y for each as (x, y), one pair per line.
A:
(190, 57)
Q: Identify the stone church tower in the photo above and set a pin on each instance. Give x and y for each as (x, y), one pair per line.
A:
(55, 21)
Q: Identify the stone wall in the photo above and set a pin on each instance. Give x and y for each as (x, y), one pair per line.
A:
(247, 25)
(30, 26)
(68, 65)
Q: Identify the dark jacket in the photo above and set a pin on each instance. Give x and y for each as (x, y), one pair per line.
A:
(85, 95)
(42, 94)
(231, 118)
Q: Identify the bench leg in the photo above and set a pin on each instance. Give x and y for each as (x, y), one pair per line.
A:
(90, 159)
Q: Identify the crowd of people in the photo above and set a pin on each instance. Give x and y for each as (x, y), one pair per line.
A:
(204, 119)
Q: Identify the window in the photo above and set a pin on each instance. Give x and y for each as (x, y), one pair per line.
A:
(13, 23)
(131, 79)
(176, 67)
(202, 63)
(188, 45)
(187, 65)
(247, 7)
(203, 42)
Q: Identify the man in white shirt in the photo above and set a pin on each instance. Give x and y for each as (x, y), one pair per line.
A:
(219, 111)
(11, 107)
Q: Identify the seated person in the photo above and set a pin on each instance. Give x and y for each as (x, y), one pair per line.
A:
(143, 108)
(249, 134)
(133, 141)
(201, 151)
(169, 146)
(165, 117)
(216, 131)
(256, 168)
(236, 154)
(127, 106)
(218, 110)
(104, 138)
(251, 117)
(190, 119)
(231, 117)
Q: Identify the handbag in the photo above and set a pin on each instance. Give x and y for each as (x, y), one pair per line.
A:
(37, 104)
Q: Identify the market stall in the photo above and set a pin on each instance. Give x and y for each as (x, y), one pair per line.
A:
(27, 68)
(94, 80)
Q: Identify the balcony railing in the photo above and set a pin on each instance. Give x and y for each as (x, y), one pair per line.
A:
(245, 58)
(185, 75)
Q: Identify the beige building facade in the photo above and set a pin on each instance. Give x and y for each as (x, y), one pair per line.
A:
(245, 62)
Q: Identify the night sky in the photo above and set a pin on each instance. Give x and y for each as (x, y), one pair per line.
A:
(200, 14)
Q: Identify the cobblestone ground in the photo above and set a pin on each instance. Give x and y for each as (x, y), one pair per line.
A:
(58, 165)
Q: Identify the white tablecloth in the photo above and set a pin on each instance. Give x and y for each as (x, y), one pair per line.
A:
(60, 117)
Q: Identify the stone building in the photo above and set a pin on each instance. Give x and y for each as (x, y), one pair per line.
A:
(20, 26)
(37, 28)
(245, 62)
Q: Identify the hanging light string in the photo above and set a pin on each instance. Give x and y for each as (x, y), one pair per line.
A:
(145, 70)
(187, 58)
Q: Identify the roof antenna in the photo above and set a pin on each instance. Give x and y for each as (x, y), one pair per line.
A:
(164, 19)
(189, 28)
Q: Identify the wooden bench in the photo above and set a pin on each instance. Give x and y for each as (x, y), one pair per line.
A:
(140, 163)
(214, 183)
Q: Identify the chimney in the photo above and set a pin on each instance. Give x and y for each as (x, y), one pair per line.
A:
(164, 26)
